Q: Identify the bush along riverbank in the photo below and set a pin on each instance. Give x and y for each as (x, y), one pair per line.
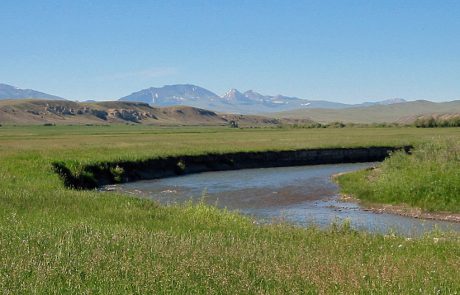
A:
(428, 179)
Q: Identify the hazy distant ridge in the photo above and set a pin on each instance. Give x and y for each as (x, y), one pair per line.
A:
(11, 92)
(404, 112)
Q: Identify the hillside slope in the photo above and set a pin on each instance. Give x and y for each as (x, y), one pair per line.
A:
(374, 114)
(117, 112)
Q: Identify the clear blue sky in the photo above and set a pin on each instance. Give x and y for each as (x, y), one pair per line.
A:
(348, 51)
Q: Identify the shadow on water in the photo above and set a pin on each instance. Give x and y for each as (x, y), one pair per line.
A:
(302, 195)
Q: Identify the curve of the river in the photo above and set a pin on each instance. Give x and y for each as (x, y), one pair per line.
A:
(301, 195)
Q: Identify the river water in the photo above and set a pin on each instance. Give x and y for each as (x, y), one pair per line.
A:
(301, 195)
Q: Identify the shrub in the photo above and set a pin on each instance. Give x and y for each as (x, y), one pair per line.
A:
(117, 173)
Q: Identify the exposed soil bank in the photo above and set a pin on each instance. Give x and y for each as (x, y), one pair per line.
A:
(404, 210)
(99, 174)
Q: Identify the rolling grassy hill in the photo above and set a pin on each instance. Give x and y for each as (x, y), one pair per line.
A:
(30, 112)
(399, 112)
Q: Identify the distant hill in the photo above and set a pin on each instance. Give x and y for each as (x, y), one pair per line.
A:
(233, 101)
(395, 112)
(439, 117)
(33, 111)
(11, 92)
(383, 102)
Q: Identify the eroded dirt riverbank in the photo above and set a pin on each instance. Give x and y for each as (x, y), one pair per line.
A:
(403, 210)
(95, 175)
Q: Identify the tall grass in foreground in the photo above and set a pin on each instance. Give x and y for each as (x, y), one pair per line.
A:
(135, 246)
(429, 178)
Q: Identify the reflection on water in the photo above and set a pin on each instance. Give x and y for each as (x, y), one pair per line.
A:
(302, 195)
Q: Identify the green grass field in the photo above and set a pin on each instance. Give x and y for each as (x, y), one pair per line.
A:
(56, 240)
(429, 178)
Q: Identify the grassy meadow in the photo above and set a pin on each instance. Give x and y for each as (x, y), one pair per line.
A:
(56, 240)
(429, 178)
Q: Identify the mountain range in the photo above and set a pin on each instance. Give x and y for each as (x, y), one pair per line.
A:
(233, 101)
(252, 102)
(248, 102)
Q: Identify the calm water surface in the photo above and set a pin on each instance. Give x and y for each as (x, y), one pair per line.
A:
(301, 195)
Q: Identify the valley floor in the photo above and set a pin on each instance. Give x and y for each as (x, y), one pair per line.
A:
(57, 240)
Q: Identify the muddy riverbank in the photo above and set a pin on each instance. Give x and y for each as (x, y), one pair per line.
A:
(398, 209)
(403, 210)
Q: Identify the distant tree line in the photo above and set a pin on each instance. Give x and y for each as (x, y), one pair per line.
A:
(433, 123)
(342, 125)
(419, 123)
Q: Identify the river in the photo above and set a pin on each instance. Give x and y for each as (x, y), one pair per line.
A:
(301, 195)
